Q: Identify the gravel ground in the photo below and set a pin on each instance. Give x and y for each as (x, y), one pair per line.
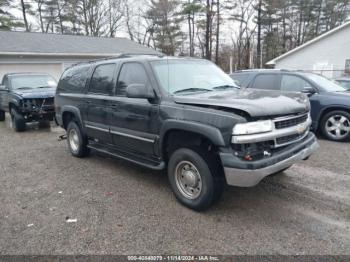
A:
(124, 209)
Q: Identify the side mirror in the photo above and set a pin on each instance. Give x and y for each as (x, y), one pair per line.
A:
(3, 88)
(308, 90)
(139, 91)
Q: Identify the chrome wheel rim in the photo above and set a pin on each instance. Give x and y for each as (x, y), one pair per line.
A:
(73, 139)
(188, 180)
(338, 126)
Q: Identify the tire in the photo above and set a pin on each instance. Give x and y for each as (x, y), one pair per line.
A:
(204, 176)
(335, 126)
(18, 121)
(77, 143)
(2, 115)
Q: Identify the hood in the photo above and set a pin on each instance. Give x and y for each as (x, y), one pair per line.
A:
(342, 94)
(257, 103)
(36, 93)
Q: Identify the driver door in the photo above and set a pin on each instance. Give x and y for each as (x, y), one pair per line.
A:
(133, 120)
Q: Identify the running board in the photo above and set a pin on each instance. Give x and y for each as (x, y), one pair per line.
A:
(136, 160)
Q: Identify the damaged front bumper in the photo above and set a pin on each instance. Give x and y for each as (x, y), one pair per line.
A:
(247, 174)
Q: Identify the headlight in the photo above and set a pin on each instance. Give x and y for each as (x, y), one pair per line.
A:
(253, 127)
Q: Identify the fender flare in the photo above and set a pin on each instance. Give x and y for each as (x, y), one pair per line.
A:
(14, 101)
(210, 132)
(75, 111)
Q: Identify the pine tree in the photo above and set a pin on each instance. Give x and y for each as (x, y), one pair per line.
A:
(166, 20)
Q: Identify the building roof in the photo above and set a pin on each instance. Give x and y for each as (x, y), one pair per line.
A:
(319, 38)
(24, 43)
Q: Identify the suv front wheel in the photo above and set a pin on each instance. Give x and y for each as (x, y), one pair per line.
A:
(194, 178)
(336, 125)
(77, 143)
(18, 121)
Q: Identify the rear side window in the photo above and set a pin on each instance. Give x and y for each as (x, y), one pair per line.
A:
(131, 73)
(74, 79)
(102, 80)
(293, 83)
(241, 79)
(266, 81)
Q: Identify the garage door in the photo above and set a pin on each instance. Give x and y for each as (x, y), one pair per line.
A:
(53, 69)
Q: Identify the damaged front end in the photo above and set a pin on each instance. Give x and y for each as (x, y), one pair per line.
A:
(36, 109)
(262, 148)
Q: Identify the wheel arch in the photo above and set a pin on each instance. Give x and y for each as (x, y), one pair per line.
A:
(183, 132)
(69, 113)
(329, 109)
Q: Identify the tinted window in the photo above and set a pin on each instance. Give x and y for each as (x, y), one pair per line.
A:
(293, 83)
(265, 81)
(242, 79)
(131, 73)
(74, 79)
(102, 80)
(5, 82)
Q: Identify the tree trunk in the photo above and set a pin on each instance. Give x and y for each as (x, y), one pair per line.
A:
(258, 47)
(24, 15)
(217, 31)
(85, 18)
(41, 16)
(207, 32)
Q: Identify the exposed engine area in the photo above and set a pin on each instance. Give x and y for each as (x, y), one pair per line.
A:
(38, 104)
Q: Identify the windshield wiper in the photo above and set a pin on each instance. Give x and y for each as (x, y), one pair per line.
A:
(225, 87)
(24, 87)
(44, 87)
(193, 89)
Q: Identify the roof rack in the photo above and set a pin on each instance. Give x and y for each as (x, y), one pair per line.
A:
(125, 55)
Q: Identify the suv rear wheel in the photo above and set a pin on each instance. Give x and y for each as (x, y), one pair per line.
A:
(2, 115)
(18, 121)
(193, 179)
(336, 125)
(77, 143)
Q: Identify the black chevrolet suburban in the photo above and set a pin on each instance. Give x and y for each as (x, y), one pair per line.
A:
(27, 97)
(184, 115)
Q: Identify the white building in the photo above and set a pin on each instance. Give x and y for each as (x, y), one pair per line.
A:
(328, 54)
(52, 53)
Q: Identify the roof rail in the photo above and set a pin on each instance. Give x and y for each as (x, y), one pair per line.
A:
(125, 55)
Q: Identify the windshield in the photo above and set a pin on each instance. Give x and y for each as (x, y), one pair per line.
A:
(326, 84)
(344, 83)
(187, 76)
(32, 81)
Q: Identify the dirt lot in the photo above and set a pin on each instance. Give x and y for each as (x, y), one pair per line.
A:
(124, 209)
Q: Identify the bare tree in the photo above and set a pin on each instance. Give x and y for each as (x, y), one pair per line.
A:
(24, 13)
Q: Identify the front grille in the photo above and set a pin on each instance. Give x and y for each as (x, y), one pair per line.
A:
(290, 122)
(288, 139)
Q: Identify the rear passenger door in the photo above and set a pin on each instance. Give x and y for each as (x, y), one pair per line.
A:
(266, 82)
(97, 102)
(133, 120)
